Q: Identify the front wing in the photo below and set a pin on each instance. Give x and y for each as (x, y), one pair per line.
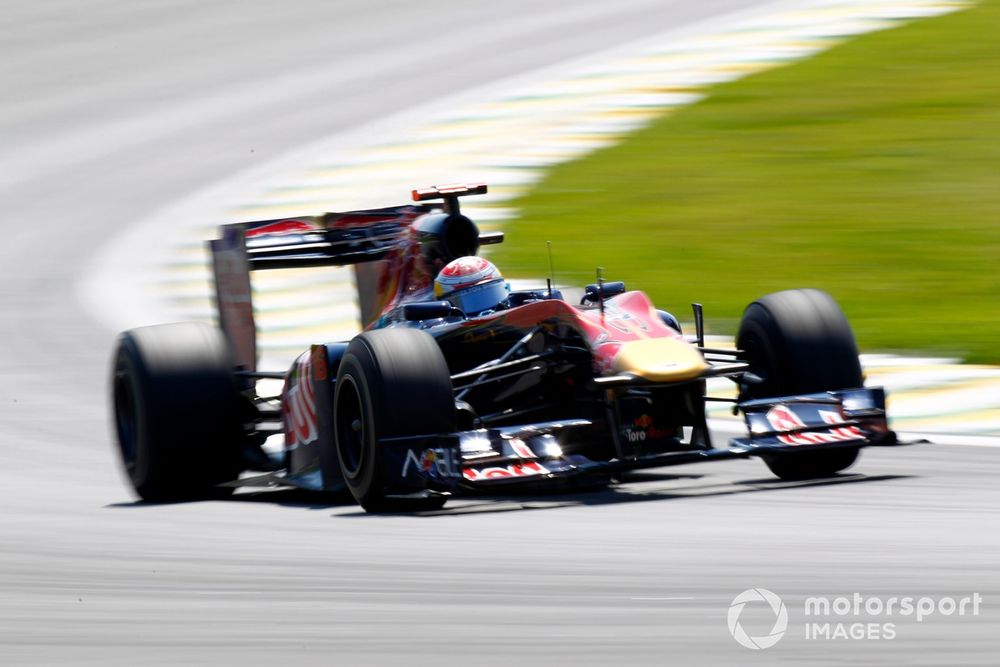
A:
(530, 454)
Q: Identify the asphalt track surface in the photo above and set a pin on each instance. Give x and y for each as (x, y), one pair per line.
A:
(112, 110)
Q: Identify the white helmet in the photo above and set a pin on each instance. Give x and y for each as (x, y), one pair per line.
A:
(472, 284)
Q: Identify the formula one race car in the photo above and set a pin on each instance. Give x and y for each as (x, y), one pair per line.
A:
(459, 384)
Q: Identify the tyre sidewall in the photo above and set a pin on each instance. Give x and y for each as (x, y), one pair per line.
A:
(800, 342)
(187, 429)
(365, 483)
(404, 388)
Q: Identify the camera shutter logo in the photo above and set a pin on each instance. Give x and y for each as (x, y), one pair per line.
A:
(780, 618)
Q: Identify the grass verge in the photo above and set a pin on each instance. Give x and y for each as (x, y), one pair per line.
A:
(871, 171)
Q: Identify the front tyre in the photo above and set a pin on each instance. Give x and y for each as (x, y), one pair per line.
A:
(391, 383)
(799, 342)
(176, 408)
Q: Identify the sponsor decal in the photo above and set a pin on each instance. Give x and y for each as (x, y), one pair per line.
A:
(635, 435)
(642, 427)
(433, 463)
(281, 227)
(298, 406)
(521, 448)
(530, 469)
(624, 321)
(782, 418)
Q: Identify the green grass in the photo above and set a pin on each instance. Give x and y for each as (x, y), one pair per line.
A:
(871, 171)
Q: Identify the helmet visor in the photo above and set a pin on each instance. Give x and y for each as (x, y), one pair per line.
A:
(476, 299)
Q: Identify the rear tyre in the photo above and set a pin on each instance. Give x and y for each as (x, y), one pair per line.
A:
(391, 383)
(176, 407)
(799, 342)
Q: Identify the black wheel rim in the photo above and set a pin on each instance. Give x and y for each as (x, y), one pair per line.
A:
(351, 428)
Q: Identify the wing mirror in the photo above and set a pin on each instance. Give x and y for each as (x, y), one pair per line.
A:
(595, 292)
(430, 310)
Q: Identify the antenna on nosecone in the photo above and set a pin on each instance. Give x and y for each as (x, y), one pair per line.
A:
(600, 289)
(552, 271)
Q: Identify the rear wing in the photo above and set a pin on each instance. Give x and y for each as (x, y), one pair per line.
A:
(332, 239)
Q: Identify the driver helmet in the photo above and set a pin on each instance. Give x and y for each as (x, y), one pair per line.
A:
(472, 284)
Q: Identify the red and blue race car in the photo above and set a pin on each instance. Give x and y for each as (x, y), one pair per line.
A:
(460, 384)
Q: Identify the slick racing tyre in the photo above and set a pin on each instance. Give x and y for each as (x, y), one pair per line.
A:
(799, 342)
(176, 411)
(391, 383)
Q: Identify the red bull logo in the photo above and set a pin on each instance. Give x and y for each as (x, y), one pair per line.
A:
(645, 421)
(428, 461)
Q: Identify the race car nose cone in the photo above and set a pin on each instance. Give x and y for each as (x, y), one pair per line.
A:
(660, 360)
